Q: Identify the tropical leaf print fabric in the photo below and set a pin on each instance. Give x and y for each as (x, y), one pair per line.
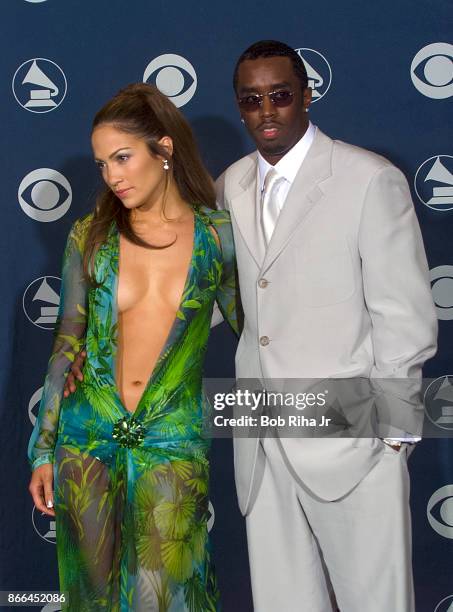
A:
(131, 490)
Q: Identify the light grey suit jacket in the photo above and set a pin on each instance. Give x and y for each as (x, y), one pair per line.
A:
(347, 295)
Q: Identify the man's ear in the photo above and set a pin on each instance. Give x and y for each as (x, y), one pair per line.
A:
(307, 98)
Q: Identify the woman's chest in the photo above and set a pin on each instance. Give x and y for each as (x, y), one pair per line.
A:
(153, 276)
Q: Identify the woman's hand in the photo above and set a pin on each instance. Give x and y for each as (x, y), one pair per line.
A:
(41, 488)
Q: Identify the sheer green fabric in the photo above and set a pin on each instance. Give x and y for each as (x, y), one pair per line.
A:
(131, 490)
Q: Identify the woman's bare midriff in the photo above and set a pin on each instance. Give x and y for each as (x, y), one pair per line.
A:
(150, 287)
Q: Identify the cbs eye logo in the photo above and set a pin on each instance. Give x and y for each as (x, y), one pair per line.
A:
(432, 71)
(211, 518)
(174, 76)
(440, 511)
(446, 605)
(442, 291)
(45, 195)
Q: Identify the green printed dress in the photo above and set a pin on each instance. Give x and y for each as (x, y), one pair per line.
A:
(131, 490)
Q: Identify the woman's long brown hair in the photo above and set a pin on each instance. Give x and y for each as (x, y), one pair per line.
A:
(143, 111)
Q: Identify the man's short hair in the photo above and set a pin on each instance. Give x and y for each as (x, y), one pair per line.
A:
(273, 48)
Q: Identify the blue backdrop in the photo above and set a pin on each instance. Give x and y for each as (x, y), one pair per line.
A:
(382, 75)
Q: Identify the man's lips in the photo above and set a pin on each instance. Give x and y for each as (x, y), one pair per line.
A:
(269, 130)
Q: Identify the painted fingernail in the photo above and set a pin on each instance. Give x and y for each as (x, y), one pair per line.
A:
(49, 504)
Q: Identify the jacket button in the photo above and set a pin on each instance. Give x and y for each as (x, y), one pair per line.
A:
(263, 283)
(264, 340)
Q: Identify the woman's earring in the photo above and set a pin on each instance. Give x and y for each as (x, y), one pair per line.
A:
(166, 166)
(242, 120)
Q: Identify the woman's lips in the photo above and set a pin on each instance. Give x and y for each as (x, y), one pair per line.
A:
(122, 192)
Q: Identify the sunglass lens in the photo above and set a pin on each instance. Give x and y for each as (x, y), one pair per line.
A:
(281, 98)
(249, 103)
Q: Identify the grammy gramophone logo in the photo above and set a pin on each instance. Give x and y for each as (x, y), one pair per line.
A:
(33, 405)
(44, 525)
(434, 182)
(438, 402)
(319, 72)
(41, 300)
(39, 85)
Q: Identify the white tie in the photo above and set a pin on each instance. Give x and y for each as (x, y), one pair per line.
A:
(269, 203)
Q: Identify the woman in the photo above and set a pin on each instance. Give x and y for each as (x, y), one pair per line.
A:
(126, 452)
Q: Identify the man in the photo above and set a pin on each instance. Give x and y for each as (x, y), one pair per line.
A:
(334, 284)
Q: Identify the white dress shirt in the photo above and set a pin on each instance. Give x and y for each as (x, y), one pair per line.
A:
(288, 166)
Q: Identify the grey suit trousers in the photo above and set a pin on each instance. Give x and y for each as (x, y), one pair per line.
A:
(301, 547)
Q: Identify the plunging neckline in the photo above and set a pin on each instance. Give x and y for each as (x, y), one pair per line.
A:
(171, 331)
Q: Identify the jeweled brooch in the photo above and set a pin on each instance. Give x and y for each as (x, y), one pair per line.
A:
(128, 432)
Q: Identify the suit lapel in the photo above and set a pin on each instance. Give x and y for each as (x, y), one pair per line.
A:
(244, 208)
(303, 196)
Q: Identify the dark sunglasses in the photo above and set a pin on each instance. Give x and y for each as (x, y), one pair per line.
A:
(279, 98)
